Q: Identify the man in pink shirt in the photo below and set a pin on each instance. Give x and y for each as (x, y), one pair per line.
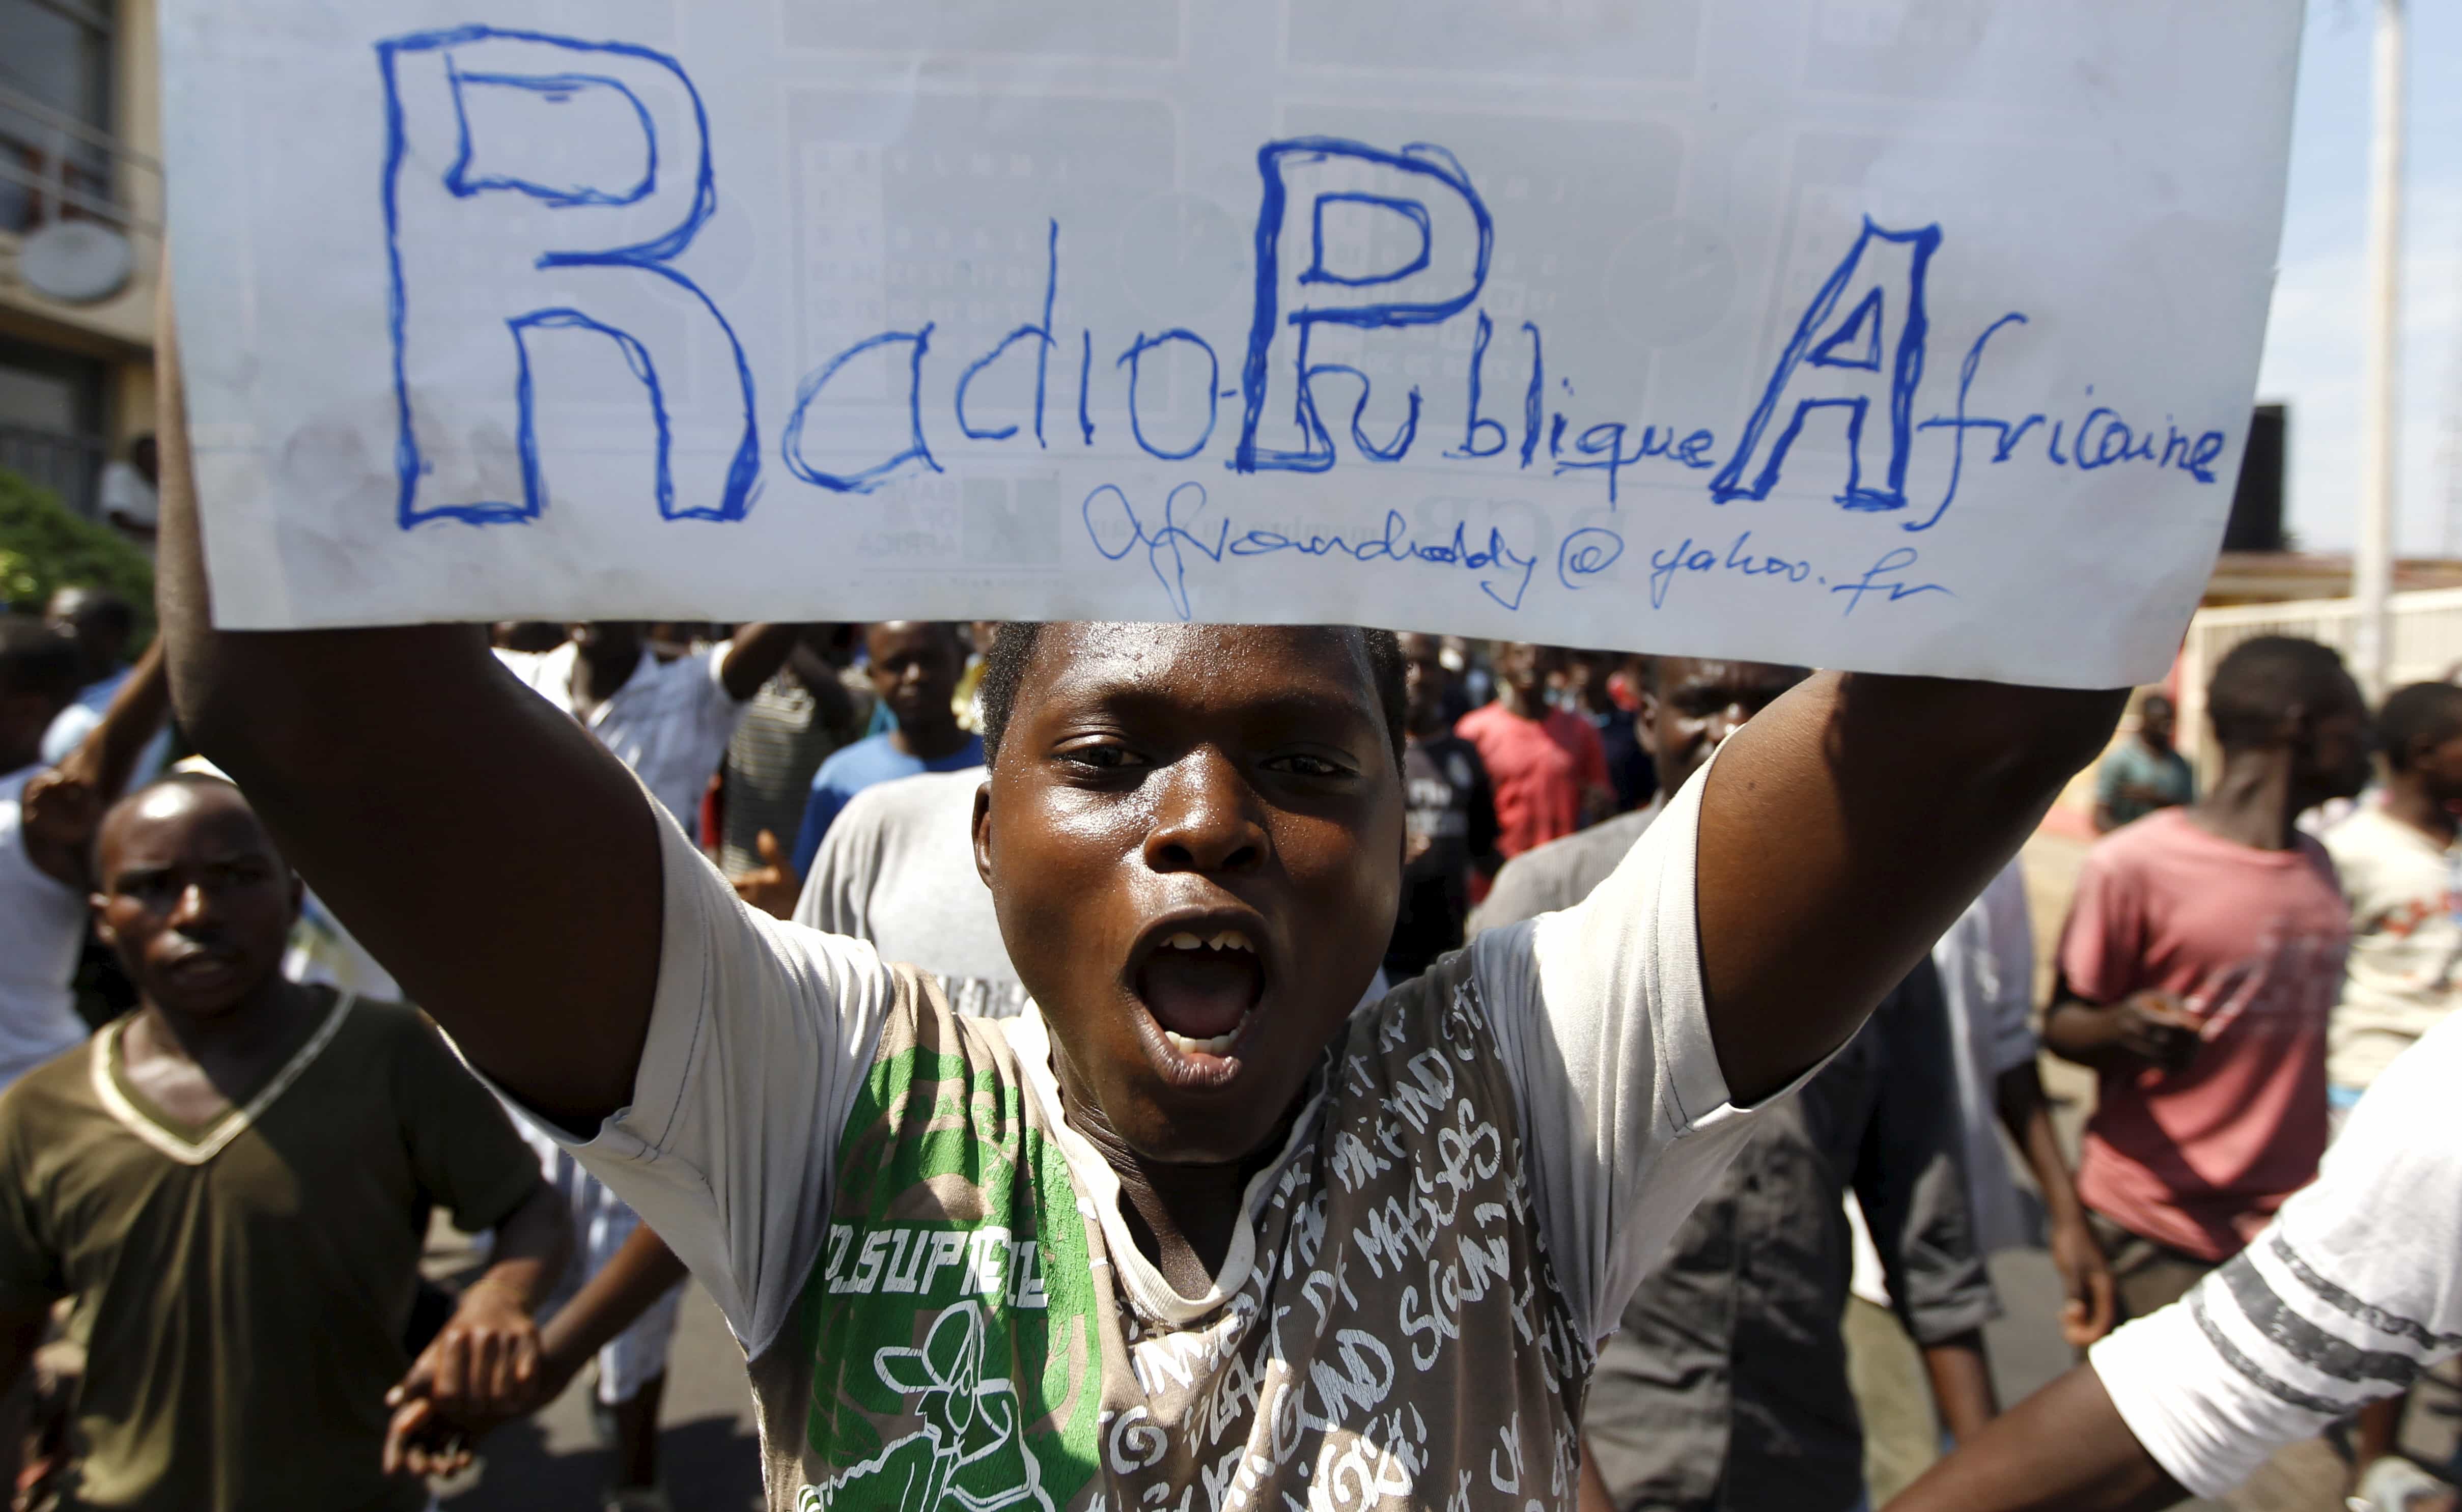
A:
(2201, 962)
(1547, 765)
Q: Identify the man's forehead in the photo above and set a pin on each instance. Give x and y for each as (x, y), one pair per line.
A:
(165, 819)
(1214, 664)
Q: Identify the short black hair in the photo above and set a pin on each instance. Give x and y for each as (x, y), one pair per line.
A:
(1012, 651)
(2261, 681)
(2429, 711)
(37, 658)
(199, 781)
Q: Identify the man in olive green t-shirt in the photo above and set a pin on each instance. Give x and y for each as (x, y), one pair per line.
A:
(233, 1182)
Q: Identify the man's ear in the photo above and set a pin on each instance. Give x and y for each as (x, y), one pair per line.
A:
(982, 830)
(1645, 720)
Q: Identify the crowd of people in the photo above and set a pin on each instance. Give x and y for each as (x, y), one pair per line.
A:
(1088, 1063)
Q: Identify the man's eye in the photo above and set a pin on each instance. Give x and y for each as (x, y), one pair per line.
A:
(1105, 758)
(1303, 766)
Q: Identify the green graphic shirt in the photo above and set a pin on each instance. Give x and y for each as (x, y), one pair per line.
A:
(942, 1304)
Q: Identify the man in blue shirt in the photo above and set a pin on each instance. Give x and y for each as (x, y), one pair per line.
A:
(2144, 772)
(915, 669)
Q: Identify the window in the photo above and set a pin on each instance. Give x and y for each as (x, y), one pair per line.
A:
(51, 421)
(55, 75)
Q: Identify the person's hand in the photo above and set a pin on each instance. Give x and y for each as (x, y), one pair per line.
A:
(2156, 1027)
(774, 887)
(481, 1369)
(2086, 1279)
(424, 1439)
(60, 814)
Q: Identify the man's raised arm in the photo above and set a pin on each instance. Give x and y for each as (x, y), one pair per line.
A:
(1845, 829)
(491, 854)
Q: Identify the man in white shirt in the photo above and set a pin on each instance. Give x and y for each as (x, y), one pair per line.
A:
(1262, 1242)
(48, 813)
(2397, 860)
(101, 624)
(129, 503)
(668, 720)
(2352, 1291)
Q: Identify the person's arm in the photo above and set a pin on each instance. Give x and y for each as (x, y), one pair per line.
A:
(487, 1353)
(378, 804)
(63, 806)
(488, 1364)
(771, 887)
(2085, 1276)
(832, 705)
(428, 1438)
(2142, 1030)
(1845, 829)
(640, 1272)
(2065, 1449)
(1960, 1375)
(1910, 1184)
(1591, 1495)
(754, 656)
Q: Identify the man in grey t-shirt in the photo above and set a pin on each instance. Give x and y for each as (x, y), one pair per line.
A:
(898, 868)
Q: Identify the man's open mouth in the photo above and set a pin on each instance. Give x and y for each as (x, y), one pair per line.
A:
(1201, 985)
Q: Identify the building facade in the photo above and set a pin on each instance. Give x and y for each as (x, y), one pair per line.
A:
(81, 236)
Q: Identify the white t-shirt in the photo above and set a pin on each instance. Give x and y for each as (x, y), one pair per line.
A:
(2406, 943)
(42, 928)
(1592, 1023)
(126, 494)
(2352, 1291)
(670, 721)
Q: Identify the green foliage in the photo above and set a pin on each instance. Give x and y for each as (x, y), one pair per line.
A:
(44, 548)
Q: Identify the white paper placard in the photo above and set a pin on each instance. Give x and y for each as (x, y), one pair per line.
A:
(1875, 333)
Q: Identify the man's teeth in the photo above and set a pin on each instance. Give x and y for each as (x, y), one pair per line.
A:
(1228, 940)
(1220, 1044)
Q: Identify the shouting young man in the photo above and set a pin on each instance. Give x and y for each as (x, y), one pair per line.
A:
(1192, 1221)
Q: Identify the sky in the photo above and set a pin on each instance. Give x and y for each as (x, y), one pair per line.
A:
(2316, 341)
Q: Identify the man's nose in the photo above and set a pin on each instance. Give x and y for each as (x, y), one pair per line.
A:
(191, 907)
(1206, 820)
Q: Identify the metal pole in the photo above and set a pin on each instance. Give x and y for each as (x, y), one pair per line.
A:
(2372, 563)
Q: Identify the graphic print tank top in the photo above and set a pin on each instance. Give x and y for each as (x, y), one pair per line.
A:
(1395, 1339)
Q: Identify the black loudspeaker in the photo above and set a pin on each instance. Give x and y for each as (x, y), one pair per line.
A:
(2257, 502)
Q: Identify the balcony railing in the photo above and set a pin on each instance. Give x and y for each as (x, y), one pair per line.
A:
(54, 166)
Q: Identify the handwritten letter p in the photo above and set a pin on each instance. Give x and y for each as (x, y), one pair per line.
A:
(539, 184)
(1416, 207)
